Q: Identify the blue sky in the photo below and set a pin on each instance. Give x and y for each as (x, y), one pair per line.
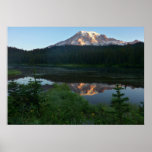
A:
(38, 37)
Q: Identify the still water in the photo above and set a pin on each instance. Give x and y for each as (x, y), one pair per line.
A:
(91, 84)
(26, 80)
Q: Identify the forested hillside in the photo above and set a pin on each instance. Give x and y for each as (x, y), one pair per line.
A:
(128, 55)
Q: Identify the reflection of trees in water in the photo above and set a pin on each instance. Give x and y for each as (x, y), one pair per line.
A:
(87, 75)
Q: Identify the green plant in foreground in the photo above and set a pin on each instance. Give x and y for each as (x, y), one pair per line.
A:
(119, 104)
(64, 106)
(28, 104)
(24, 102)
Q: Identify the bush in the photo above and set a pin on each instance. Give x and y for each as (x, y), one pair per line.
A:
(64, 107)
(28, 104)
(24, 102)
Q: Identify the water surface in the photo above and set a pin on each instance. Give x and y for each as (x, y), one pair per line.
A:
(96, 85)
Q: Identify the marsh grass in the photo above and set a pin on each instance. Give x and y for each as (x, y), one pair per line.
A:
(13, 72)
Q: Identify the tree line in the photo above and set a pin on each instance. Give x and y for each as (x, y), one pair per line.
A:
(129, 55)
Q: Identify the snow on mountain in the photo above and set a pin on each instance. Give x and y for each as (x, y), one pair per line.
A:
(91, 38)
(134, 42)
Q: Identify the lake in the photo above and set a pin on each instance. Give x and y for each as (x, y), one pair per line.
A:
(95, 84)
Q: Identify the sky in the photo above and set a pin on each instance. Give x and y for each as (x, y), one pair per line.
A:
(29, 38)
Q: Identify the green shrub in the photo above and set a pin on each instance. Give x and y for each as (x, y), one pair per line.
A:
(28, 104)
(64, 106)
(24, 102)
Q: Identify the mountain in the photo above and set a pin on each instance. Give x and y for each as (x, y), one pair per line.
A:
(91, 38)
(134, 42)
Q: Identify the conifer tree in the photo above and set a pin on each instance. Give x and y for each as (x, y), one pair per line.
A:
(119, 104)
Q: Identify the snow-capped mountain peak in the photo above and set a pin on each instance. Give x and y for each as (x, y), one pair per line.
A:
(91, 38)
(91, 33)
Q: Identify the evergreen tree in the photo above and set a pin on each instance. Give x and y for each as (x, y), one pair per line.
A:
(127, 56)
(119, 104)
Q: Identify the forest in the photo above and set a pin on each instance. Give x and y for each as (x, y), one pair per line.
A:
(127, 55)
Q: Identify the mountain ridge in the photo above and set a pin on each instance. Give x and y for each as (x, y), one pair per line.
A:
(82, 38)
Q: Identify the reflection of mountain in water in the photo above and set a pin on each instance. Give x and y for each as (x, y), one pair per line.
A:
(90, 88)
(102, 93)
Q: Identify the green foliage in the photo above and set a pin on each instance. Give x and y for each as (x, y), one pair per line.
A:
(102, 114)
(141, 109)
(119, 104)
(13, 72)
(28, 104)
(124, 56)
(23, 101)
(64, 106)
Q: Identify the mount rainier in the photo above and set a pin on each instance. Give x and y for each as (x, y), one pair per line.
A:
(91, 38)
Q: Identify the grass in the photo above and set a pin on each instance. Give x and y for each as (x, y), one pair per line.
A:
(65, 65)
(14, 72)
(87, 65)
